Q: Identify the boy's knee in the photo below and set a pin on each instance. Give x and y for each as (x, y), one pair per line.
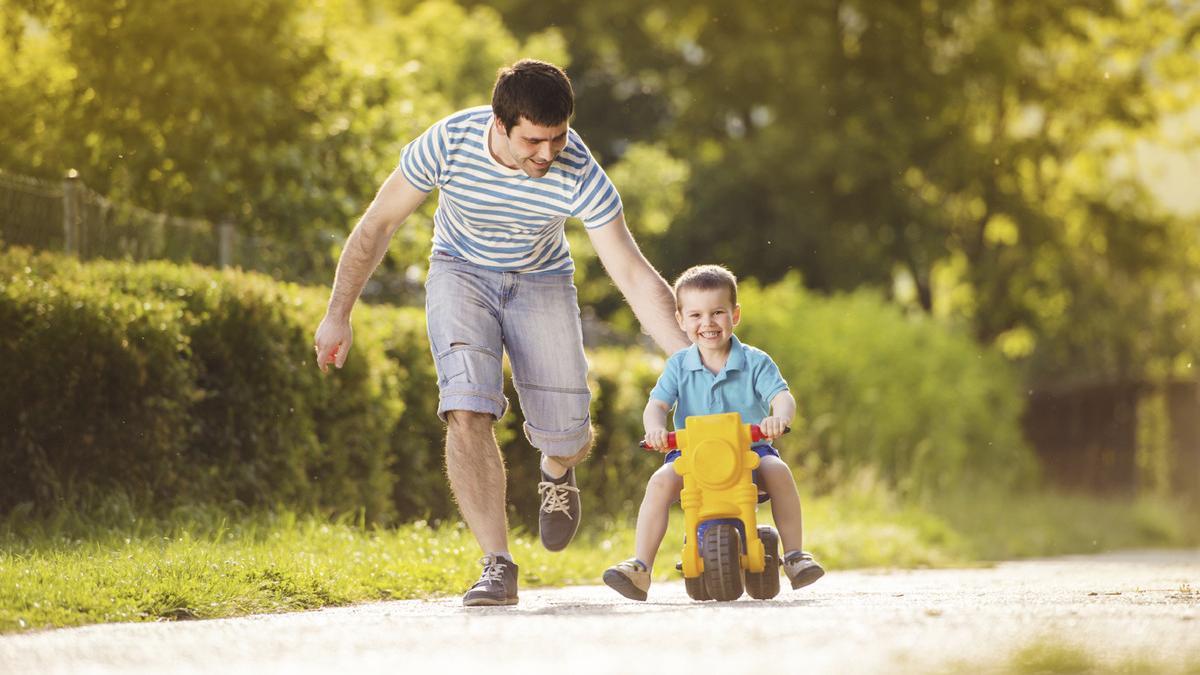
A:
(774, 469)
(663, 483)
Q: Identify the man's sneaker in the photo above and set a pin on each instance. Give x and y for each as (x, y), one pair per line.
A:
(801, 569)
(630, 578)
(558, 519)
(496, 586)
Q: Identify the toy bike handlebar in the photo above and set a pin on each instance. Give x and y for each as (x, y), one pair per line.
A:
(756, 435)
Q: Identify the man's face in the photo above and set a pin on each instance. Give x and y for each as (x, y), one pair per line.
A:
(533, 147)
(708, 316)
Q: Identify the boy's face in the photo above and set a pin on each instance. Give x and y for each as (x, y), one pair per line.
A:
(707, 316)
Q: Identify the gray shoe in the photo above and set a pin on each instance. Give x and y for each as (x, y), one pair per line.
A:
(496, 586)
(630, 578)
(801, 569)
(558, 518)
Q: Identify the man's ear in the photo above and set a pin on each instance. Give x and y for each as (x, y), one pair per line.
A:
(500, 125)
(737, 314)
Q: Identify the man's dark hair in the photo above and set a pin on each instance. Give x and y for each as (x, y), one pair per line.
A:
(538, 91)
(706, 278)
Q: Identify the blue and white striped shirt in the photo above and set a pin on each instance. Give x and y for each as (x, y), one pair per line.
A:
(500, 218)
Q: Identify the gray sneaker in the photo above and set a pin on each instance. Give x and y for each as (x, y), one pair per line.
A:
(558, 518)
(496, 586)
(801, 569)
(630, 578)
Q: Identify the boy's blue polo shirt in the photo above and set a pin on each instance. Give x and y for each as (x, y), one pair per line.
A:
(746, 385)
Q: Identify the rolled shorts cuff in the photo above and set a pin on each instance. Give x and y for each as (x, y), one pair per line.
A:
(472, 400)
(559, 443)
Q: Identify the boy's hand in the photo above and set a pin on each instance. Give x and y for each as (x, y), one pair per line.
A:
(657, 439)
(773, 427)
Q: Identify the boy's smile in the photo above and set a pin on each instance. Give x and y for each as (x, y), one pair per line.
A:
(708, 316)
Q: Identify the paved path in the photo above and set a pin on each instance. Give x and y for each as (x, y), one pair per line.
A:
(1117, 607)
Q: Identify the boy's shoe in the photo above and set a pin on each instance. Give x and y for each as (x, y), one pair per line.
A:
(801, 569)
(558, 518)
(630, 578)
(496, 586)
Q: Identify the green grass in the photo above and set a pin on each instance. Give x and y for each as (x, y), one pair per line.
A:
(114, 565)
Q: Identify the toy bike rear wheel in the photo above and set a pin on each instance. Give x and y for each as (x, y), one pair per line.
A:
(765, 585)
(721, 550)
(695, 588)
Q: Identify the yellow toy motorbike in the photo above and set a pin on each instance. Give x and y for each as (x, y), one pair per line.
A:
(724, 551)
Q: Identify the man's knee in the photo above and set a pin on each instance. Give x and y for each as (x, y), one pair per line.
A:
(581, 454)
(468, 419)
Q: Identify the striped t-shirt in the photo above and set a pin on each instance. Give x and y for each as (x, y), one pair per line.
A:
(500, 218)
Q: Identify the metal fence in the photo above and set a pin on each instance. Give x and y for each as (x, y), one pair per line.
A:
(69, 216)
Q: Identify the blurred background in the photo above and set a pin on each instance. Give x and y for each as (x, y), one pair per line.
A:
(968, 230)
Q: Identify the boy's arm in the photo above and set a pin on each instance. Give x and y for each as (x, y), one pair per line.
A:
(783, 410)
(654, 418)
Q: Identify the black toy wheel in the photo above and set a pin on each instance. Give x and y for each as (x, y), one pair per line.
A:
(721, 550)
(765, 585)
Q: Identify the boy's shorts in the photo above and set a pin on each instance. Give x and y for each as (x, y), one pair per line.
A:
(760, 450)
(475, 316)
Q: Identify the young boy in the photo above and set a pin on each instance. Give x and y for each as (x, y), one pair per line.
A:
(716, 374)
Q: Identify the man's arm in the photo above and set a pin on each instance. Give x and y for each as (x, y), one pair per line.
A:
(366, 246)
(643, 287)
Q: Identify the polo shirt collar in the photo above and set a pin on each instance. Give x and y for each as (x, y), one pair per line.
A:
(737, 357)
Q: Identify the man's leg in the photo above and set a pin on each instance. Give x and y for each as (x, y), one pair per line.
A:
(544, 341)
(556, 467)
(477, 479)
(465, 338)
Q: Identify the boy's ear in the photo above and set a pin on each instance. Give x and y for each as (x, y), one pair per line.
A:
(679, 319)
(737, 314)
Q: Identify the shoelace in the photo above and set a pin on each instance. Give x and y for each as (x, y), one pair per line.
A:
(556, 497)
(493, 570)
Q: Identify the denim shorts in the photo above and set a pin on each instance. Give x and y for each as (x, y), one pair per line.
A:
(476, 315)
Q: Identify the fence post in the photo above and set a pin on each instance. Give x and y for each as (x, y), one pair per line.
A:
(226, 236)
(71, 213)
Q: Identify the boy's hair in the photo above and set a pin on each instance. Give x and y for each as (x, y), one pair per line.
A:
(538, 91)
(706, 278)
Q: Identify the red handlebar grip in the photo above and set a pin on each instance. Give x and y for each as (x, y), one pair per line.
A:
(670, 442)
(756, 435)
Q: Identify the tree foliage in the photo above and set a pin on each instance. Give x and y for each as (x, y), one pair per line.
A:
(957, 154)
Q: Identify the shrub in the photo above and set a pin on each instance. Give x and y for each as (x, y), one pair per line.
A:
(178, 384)
(924, 404)
(98, 389)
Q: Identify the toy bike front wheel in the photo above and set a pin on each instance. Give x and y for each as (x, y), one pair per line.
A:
(721, 550)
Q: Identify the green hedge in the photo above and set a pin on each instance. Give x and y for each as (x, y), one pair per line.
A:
(178, 384)
(924, 405)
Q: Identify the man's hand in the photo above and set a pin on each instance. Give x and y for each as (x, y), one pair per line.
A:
(773, 427)
(657, 439)
(332, 342)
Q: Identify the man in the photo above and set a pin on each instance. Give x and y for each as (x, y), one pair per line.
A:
(500, 280)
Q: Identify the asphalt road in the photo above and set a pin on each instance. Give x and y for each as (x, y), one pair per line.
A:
(1132, 607)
